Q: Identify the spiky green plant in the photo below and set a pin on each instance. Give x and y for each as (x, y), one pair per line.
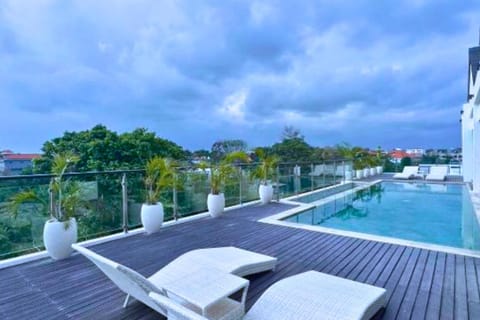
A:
(266, 168)
(222, 172)
(65, 194)
(159, 174)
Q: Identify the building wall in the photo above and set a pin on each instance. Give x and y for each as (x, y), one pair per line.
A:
(14, 167)
(471, 136)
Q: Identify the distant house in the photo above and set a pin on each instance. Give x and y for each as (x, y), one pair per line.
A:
(14, 163)
(397, 155)
(415, 153)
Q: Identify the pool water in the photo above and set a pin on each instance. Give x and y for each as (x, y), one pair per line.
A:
(439, 214)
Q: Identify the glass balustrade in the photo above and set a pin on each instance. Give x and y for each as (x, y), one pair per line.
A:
(112, 206)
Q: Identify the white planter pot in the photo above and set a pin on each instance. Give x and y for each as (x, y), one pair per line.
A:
(58, 240)
(348, 175)
(216, 204)
(359, 174)
(152, 217)
(379, 169)
(366, 172)
(373, 171)
(266, 193)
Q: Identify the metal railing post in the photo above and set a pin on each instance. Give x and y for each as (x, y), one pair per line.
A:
(277, 178)
(295, 179)
(334, 172)
(324, 166)
(51, 199)
(175, 200)
(240, 175)
(124, 203)
(311, 177)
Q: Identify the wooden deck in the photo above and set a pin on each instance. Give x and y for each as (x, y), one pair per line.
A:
(421, 284)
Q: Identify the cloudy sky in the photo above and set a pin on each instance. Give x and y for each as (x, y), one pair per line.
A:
(365, 72)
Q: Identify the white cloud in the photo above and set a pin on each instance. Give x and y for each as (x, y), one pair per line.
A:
(233, 107)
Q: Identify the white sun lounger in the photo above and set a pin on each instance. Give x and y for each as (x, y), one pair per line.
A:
(224, 259)
(437, 173)
(309, 295)
(407, 173)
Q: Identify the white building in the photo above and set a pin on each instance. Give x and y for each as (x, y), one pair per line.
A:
(471, 123)
(416, 151)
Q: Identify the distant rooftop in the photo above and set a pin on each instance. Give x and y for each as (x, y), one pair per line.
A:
(20, 156)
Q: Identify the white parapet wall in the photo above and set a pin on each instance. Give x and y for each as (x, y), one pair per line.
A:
(471, 137)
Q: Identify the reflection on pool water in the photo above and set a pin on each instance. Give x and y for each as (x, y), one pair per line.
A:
(439, 214)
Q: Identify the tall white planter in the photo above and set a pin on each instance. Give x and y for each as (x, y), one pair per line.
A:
(379, 169)
(152, 217)
(266, 193)
(57, 239)
(366, 172)
(359, 174)
(216, 204)
(373, 171)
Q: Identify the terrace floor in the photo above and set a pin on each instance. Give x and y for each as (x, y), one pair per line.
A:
(420, 283)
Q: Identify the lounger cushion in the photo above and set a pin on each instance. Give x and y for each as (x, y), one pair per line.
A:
(315, 295)
(225, 259)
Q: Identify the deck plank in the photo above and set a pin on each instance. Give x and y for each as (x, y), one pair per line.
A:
(447, 310)
(421, 300)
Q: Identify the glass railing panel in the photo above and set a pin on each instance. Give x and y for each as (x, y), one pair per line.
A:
(135, 198)
(102, 214)
(249, 185)
(23, 234)
(192, 193)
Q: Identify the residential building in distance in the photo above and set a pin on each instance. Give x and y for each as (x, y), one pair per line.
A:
(418, 155)
(416, 152)
(15, 163)
(397, 155)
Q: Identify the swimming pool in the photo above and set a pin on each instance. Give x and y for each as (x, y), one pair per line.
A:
(440, 214)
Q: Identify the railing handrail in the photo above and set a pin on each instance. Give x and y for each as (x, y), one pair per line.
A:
(119, 172)
(86, 173)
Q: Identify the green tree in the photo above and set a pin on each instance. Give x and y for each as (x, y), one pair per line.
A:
(293, 150)
(100, 149)
(223, 147)
(407, 161)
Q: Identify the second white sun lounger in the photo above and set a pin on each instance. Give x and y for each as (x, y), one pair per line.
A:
(437, 173)
(407, 173)
(309, 295)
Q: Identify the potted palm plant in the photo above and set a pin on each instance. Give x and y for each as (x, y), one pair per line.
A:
(358, 167)
(220, 174)
(65, 203)
(159, 174)
(359, 162)
(372, 164)
(264, 172)
(379, 161)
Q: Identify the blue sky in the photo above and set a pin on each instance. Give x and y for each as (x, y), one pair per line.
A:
(389, 73)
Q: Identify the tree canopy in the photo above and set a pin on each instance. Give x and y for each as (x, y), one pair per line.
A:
(100, 149)
(223, 147)
(293, 150)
